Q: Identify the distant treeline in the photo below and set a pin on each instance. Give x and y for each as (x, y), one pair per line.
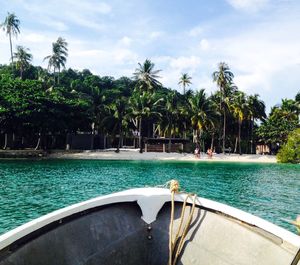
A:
(37, 105)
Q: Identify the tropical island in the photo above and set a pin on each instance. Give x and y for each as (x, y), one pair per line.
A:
(66, 109)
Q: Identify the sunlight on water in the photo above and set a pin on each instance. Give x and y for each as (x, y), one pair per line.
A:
(29, 189)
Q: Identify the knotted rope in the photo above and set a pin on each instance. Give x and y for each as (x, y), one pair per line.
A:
(296, 223)
(174, 188)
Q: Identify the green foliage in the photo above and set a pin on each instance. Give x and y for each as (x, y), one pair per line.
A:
(84, 102)
(290, 151)
(281, 122)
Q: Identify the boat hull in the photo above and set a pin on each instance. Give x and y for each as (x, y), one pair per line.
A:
(132, 227)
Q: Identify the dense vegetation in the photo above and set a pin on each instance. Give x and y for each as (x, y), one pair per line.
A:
(290, 151)
(37, 103)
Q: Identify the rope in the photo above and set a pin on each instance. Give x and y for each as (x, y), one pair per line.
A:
(174, 188)
(296, 223)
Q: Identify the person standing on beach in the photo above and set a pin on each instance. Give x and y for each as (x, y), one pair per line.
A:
(197, 152)
(209, 152)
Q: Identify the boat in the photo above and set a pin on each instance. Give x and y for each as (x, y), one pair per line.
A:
(133, 227)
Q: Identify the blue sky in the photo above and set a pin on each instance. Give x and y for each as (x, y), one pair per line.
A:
(259, 39)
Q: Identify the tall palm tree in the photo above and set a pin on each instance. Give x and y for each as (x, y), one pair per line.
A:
(223, 77)
(143, 106)
(185, 111)
(11, 26)
(185, 80)
(58, 58)
(240, 111)
(146, 76)
(116, 118)
(23, 58)
(257, 110)
(172, 113)
(203, 114)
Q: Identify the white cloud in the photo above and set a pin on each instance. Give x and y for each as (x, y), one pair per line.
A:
(91, 6)
(32, 37)
(204, 44)
(156, 34)
(125, 41)
(56, 25)
(185, 63)
(248, 5)
(173, 67)
(196, 31)
(57, 13)
(109, 60)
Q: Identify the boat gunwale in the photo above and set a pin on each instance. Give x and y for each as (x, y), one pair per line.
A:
(134, 195)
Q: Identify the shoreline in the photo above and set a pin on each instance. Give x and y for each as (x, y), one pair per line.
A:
(133, 154)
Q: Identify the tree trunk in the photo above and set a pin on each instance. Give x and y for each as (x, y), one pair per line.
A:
(252, 125)
(92, 141)
(68, 145)
(235, 144)
(184, 132)
(119, 142)
(13, 140)
(224, 131)
(199, 139)
(58, 75)
(5, 141)
(11, 53)
(240, 125)
(140, 136)
(212, 141)
(170, 143)
(53, 144)
(38, 142)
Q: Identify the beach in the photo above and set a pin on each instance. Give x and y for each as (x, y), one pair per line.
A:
(133, 154)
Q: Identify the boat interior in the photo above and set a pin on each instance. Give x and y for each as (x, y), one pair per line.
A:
(116, 234)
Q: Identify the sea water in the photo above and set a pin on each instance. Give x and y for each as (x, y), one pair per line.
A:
(32, 188)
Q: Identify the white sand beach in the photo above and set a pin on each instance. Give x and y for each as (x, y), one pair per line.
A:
(133, 154)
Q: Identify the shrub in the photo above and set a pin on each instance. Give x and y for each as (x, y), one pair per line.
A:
(290, 151)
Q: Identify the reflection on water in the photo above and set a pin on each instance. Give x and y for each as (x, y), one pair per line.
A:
(29, 189)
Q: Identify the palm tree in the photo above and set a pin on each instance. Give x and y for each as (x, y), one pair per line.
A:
(58, 58)
(146, 76)
(257, 110)
(203, 114)
(142, 106)
(185, 80)
(241, 112)
(223, 77)
(11, 26)
(23, 58)
(172, 113)
(117, 111)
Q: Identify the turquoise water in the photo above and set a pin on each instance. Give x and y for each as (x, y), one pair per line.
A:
(29, 189)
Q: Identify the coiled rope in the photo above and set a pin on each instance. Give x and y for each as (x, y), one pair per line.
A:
(176, 245)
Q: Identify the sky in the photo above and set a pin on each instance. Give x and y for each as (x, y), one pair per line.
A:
(258, 39)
